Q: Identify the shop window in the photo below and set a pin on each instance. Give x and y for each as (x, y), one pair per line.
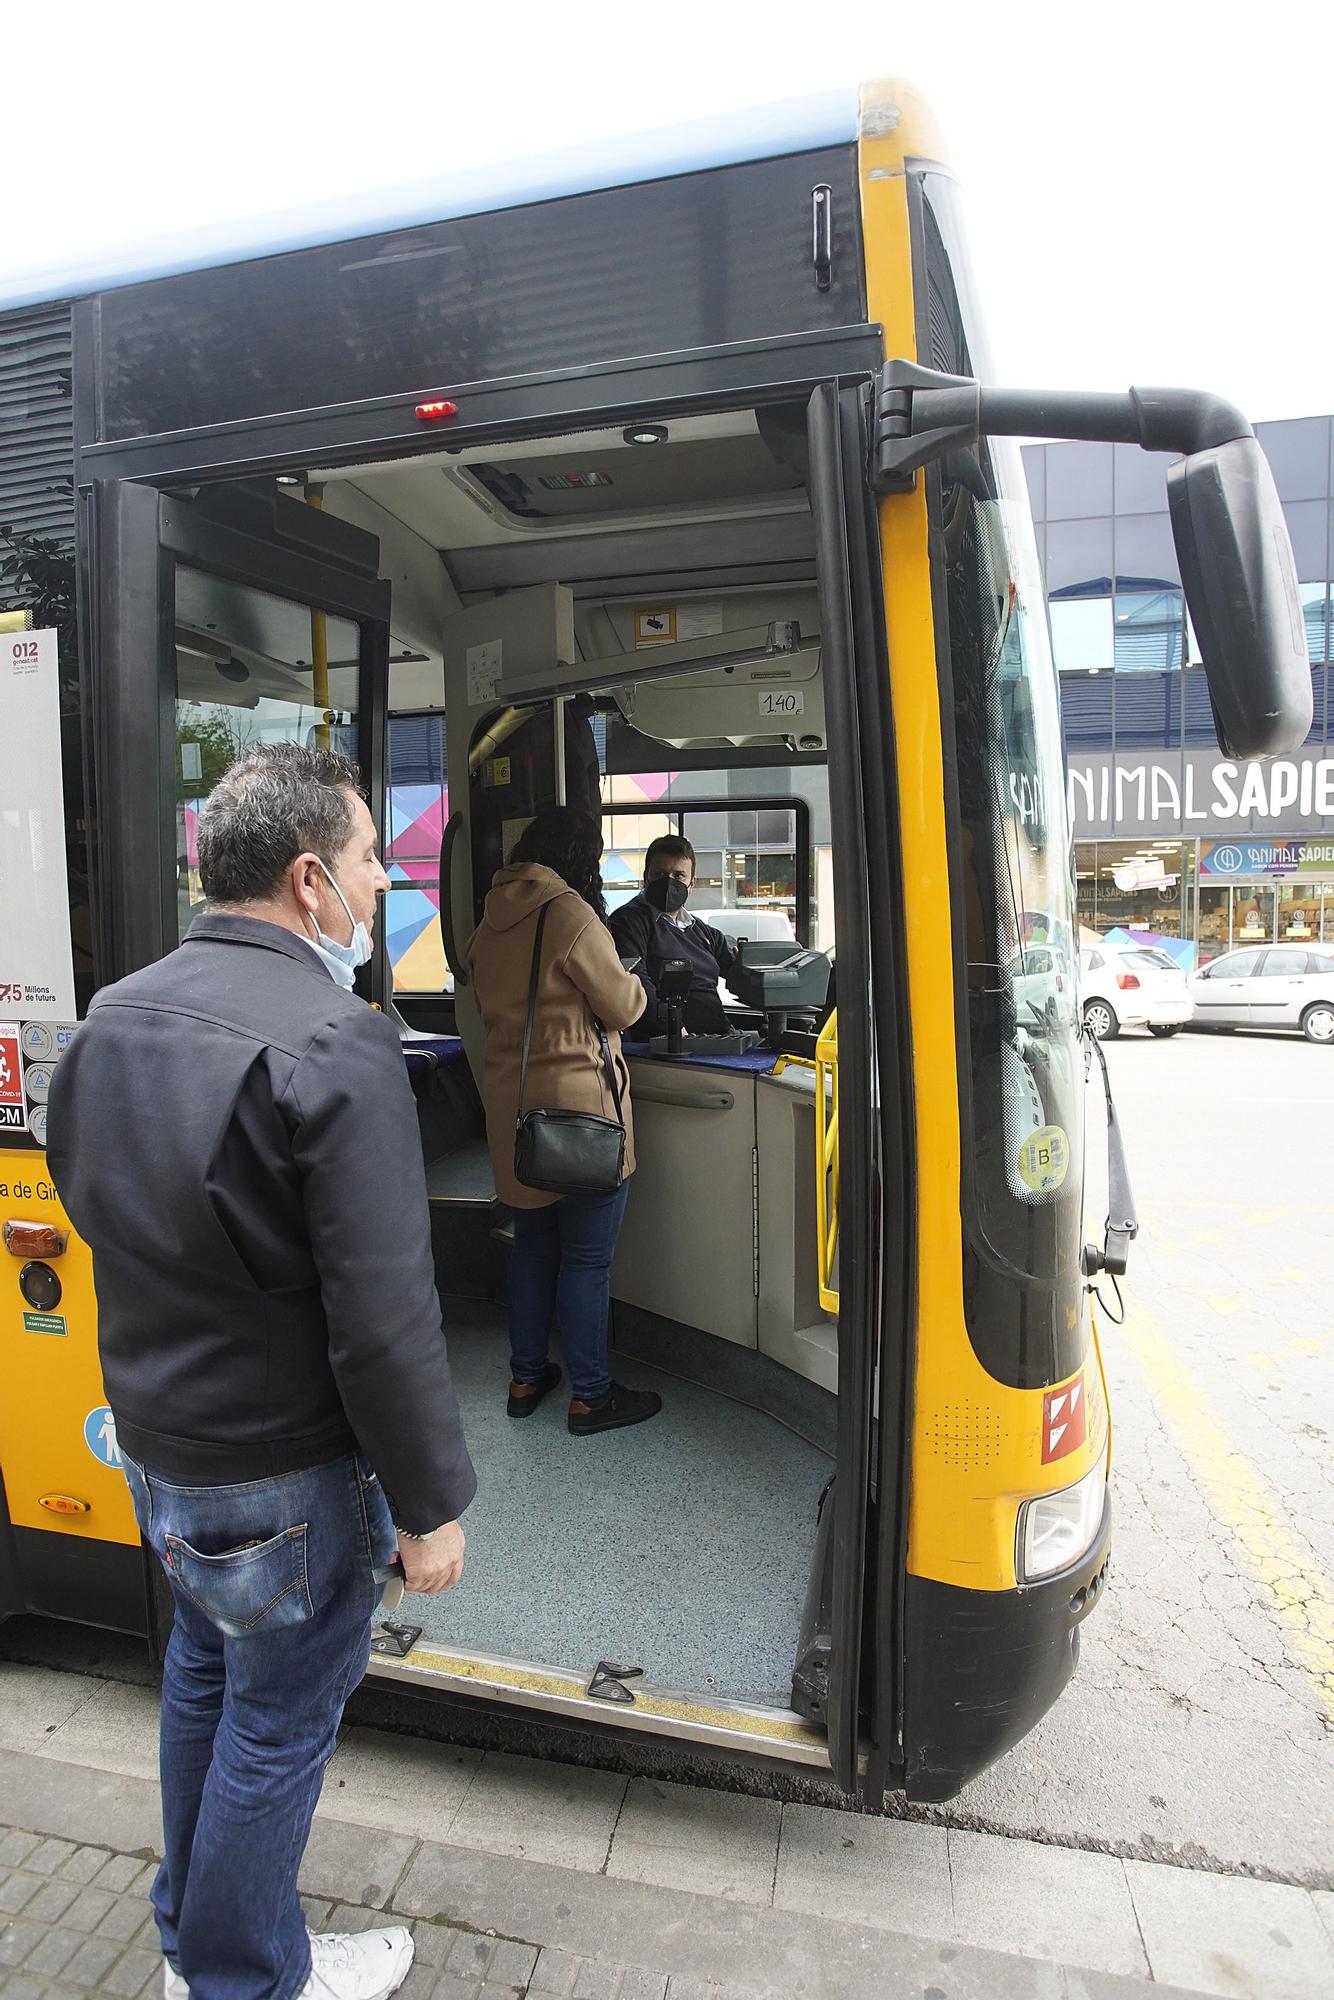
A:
(1150, 631)
(1308, 525)
(1315, 598)
(1082, 635)
(1141, 479)
(1146, 553)
(1079, 481)
(1298, 454)
(1079, 558)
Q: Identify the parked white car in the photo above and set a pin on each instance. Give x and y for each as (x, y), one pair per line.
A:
(1269, 986)
(1132, 986)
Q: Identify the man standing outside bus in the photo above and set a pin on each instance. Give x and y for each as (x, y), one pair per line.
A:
(233, 1133)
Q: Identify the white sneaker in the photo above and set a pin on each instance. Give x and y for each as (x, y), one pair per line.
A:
(174, 1985)
(369, 1965)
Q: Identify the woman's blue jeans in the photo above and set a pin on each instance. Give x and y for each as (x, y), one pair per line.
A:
(560, 1268)
(274, 1595)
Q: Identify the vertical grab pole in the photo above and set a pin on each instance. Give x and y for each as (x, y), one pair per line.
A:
(319, 649)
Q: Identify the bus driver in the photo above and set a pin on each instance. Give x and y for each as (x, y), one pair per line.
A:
(654, 927)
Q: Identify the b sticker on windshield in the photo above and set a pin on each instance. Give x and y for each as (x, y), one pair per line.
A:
(1044, 1159)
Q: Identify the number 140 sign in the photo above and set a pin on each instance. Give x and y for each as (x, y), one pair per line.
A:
(782, 701)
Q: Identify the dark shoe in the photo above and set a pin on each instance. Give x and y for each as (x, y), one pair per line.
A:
(523, 1406)
(619, 1407)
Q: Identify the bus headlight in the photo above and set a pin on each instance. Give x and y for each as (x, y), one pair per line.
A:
(1056, 1529)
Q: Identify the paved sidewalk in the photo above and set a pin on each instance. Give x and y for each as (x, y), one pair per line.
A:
(526, 1877)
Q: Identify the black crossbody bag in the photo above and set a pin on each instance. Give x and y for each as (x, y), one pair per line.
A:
(567, 1152)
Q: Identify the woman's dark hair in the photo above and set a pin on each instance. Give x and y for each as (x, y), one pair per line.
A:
(568, 842)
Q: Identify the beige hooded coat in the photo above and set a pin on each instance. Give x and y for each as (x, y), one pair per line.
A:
(581, 976)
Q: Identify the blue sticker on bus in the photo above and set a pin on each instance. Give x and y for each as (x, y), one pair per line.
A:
(99, 1434)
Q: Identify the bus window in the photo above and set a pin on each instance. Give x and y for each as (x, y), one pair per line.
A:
(250, 668)
(626, 838)
(416, 809)
(747, 870)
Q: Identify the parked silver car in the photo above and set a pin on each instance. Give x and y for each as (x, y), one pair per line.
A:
(1269, 986)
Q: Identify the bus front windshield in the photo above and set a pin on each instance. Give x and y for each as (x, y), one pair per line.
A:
(1022, 1073)
(1022, 948)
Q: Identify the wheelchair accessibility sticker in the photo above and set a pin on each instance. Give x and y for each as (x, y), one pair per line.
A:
(99, 1434)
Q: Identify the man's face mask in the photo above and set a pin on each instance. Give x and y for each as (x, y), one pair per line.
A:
(358, 948)
(667, 894)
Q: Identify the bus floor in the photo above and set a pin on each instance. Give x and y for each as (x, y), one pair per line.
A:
(681, 1546)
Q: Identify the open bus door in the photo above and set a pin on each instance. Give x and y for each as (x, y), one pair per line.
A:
(229, 616)
(865, 1570)
(200, 601)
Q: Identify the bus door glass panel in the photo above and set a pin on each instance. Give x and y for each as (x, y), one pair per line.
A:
(416, 810)
(251, 668)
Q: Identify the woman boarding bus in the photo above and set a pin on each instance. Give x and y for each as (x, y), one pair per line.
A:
(672, 495)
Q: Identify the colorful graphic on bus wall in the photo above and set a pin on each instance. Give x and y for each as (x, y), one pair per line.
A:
(1305, 855)
(417, 815)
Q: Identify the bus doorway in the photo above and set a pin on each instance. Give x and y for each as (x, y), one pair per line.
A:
(664, 645)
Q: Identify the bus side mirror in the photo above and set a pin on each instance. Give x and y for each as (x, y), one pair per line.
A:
(1240, 583)
(1232, 543)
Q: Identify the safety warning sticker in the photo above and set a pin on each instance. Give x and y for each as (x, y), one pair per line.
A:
(1064, 1420)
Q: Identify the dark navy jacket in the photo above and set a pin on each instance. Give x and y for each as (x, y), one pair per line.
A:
(643, 932)
(234, 1135)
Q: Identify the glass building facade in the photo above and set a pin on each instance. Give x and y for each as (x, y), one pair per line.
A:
(1171, 838)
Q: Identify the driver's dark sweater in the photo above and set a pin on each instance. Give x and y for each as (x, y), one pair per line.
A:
(642, 932)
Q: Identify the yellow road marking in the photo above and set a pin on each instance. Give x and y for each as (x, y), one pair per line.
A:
(1298, 1592)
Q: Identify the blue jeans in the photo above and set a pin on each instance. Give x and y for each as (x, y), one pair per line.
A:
(274, 1600)
(560, 1267)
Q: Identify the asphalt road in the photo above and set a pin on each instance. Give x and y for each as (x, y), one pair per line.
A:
(1202, 1716)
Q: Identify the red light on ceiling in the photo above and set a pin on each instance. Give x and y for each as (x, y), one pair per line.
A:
(433, 411)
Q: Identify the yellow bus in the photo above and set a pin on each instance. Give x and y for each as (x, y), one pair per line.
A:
(674, 488)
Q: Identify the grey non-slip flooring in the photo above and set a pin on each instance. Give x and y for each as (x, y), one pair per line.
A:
(681, 1546)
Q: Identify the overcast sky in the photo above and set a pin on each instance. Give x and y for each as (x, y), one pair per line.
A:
(1147, 185)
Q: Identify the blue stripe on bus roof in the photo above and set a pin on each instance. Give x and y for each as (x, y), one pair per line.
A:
(756, 132)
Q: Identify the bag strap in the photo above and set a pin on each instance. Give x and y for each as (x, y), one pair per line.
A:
(610, 1068)
(532, 1002)
(608, 1064)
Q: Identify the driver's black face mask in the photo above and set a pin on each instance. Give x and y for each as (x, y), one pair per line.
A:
(667, 894)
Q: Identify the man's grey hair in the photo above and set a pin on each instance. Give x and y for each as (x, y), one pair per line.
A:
(277, 801)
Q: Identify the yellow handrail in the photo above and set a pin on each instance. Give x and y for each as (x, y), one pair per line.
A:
(826, 1160)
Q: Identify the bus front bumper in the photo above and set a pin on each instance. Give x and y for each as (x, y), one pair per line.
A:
(984, 1666)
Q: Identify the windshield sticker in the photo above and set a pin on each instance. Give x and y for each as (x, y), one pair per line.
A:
(1044, 1159)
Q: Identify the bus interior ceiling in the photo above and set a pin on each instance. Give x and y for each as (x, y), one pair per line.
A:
(659, 596)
